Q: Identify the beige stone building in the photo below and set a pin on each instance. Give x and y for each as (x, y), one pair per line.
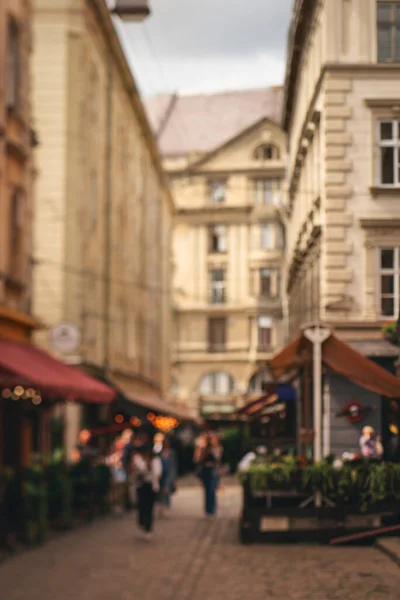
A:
(16, 171)
(342, 117)
(104, 210)
(225, 156)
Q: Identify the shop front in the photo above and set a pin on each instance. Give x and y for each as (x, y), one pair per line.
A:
(348, 380)
(271, 420)
(32, 383)
(330, 489)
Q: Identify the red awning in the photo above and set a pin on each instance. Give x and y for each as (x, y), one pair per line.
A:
(22, 364)
(256, 406)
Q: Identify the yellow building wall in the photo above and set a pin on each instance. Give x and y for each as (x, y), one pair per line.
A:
(193, 261)
(104, 212)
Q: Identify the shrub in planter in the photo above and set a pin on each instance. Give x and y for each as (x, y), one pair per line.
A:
(233, 442)
(389, 331)
(102, 480)
(9, 504)
(59, 494)
(371, 485)
(90, 487)
(80, 480)
(34, 506)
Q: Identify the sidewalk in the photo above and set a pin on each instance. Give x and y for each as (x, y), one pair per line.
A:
(391, 547)
(192, 558)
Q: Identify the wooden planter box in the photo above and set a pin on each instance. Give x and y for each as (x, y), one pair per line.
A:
(277, 516)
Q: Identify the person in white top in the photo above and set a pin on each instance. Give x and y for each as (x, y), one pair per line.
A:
(250, 457)
(147, 469)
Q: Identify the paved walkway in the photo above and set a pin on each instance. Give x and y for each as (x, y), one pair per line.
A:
(193, 559)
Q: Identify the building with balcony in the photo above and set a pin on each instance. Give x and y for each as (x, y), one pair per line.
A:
(225, 155)
(104, 209)
(342, 117)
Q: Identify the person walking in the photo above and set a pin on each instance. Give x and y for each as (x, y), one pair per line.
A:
(168, 477)
(208, 463)
(370, 444)
(147, 469)
(158, 442)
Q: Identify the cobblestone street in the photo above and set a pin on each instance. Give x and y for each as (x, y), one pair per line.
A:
(192, 559)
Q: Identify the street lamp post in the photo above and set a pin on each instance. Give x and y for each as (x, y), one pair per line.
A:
(317, 336)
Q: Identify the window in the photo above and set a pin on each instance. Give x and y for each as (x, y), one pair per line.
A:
(269, 283)
(388, 31)
(218, 284)
(389, 152)
(13, 66)
(266, 191)
(257, 380)
(218, 384)
(280, 237)
(218, 192)
(264, 333)
(218, 238)
(266, 152)
(389, 264)
(217, 334)
(267, 236)
(16, 230)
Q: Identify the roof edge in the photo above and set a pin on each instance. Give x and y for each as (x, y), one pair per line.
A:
(303, 12)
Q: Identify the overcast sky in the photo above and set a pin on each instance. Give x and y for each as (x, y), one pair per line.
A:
(195, 46)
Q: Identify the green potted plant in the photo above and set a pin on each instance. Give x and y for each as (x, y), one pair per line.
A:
(389, 331)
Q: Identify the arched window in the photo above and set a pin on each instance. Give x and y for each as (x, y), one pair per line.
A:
(257, 380)
(217, 384)
(266, 152)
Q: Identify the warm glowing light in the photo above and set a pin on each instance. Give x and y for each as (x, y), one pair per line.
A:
(19, 391)
(119, 419)
(165, 424)
(6, 393)
(151, 416)
(30, 393)
(36, 400)
(135, 422)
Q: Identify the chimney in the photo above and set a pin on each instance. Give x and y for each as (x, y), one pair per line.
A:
(131, 10)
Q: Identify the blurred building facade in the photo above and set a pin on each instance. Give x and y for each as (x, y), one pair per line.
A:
(342, 118)
(225, 156)
(16, 171)
(104, 211)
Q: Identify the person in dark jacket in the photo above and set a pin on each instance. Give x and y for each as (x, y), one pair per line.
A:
(208, 460)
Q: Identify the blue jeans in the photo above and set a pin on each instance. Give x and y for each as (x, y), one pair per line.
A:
(210, 482)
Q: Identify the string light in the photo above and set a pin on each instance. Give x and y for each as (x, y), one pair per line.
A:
(119, 419)
(36, 400)
(19, 391)
(6, 393)
(135, 422)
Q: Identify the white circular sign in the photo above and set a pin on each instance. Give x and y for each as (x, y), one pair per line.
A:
(65, 337)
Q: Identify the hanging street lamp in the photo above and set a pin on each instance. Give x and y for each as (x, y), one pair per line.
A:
(130, 10)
